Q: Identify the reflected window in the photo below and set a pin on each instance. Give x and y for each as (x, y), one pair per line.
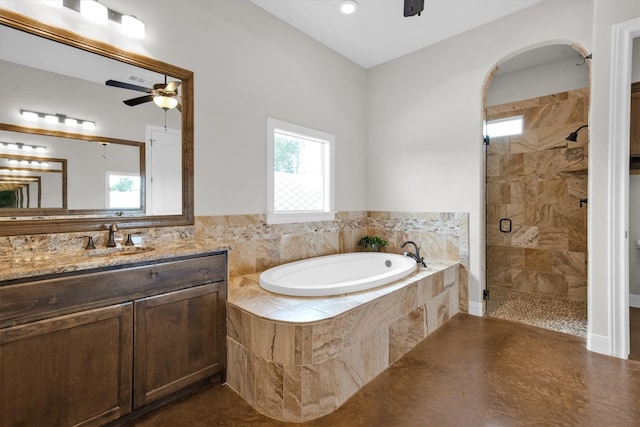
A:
(123, 190)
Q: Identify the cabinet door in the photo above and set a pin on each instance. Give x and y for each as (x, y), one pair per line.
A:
(68, 370)
(634, 136)
(179, 340)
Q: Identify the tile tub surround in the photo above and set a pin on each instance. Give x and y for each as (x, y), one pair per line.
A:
(297, 359)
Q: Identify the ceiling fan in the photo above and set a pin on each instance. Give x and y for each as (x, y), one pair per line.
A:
(164, 95)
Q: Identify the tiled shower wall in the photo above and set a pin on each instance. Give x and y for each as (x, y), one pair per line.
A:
(537, 180)
(257, 246)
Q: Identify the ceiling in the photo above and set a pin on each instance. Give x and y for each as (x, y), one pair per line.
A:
(378, 32)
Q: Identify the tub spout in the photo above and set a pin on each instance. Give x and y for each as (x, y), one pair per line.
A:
(415, 255)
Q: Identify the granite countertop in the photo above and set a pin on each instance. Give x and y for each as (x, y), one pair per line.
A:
(44, 264)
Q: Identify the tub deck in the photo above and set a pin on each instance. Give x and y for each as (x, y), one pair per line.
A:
(299, 358)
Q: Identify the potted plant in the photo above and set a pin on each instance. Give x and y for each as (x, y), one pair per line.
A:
(372, 243)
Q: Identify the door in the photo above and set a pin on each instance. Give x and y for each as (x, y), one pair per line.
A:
(164, 163)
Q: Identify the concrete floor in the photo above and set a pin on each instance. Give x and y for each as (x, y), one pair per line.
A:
(471, 372)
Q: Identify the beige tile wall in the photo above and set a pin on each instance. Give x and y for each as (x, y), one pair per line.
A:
(257, 246)
(537, 180)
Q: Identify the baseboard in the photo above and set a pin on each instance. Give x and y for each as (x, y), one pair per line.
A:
(476, 308)
(634, 301)
(598, 344)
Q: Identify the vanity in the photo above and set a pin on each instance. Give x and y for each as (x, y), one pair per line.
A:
(89, 346)
(88, 337)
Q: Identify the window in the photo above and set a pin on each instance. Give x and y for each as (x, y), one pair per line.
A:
(299, 173)
(505, 127)
(123, 190)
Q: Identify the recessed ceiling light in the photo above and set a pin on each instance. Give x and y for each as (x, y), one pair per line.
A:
(348, 6)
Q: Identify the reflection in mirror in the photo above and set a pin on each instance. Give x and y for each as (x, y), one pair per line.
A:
(28, 182)
(88, 167)
(61, 78)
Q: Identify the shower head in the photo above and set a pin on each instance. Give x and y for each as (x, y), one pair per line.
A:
(573, 136)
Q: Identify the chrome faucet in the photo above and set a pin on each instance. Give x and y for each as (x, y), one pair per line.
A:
(413, 255)
(112, 242)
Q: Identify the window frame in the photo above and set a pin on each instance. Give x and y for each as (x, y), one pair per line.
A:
(328, 140)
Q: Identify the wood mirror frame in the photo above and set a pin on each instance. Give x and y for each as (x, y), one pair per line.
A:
(64, 223)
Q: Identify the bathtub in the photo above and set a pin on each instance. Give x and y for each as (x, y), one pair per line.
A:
(337, 274)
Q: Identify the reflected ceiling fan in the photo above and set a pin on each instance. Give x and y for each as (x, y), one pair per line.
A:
(164, 95)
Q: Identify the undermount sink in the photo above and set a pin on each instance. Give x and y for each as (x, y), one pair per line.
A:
(118, 251)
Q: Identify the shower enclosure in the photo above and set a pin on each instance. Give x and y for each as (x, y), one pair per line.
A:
(536, 213)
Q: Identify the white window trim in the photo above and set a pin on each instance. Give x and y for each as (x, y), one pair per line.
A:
(292, 217)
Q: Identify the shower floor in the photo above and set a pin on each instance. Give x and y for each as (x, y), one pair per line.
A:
(569, 317)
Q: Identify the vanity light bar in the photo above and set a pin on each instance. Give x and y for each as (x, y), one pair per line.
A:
(23, 147)
(15, 162)
(57, 118)
(98, 13)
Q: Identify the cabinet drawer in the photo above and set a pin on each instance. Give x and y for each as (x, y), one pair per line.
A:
(38, 299)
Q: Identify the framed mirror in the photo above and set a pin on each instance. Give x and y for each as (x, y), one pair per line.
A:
(103, 113)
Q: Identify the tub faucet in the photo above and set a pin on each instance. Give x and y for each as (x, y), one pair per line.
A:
(112, 242)
(413, 255)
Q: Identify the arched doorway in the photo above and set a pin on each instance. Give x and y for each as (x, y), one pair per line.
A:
(536, 189)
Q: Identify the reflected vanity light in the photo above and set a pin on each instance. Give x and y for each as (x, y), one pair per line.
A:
(23, 147)
(57, 119)
(15, 162)
(100, 14)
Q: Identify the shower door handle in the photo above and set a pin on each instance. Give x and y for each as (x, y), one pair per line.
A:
(505, 225)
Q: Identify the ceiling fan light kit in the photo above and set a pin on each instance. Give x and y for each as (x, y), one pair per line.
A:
(164, 95)
(165, 102)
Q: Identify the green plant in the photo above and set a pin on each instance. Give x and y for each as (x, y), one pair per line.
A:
(372, 242)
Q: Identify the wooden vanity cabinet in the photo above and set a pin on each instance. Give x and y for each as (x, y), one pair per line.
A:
(177, 341)
(126, 337)
(67, 371)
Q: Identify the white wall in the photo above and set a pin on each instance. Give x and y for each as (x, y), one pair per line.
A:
(546, 79)
(247, 65)
(425, 117)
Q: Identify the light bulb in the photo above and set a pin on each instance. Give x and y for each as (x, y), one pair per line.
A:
(348, 7)
(133, 26)
(94, 11)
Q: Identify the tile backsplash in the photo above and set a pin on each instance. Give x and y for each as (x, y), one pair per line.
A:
(257, 246)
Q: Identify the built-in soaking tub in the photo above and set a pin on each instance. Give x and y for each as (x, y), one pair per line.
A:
(337, 274)
(297, 358)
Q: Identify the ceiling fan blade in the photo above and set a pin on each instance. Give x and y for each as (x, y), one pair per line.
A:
(179, 107)
(137, 101)
(172, 86)
(123, 85)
